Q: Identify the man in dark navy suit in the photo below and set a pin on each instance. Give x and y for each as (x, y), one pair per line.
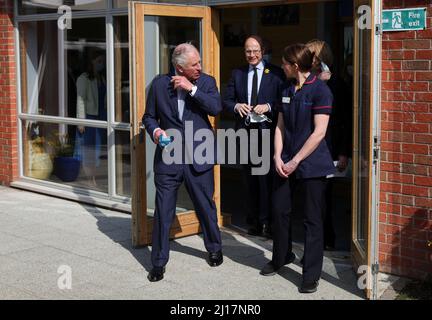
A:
(173, 99)
(252, 95)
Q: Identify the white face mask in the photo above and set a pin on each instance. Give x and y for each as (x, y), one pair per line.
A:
(350, 70)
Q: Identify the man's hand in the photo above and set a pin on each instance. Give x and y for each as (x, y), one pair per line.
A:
(158, 134)
(243, 109)
(278, 165)
(261, 108)
(181, 82)
(81, 129)
(290, 167)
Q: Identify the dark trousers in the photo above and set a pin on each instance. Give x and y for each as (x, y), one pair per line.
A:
(200, 187)
(258, 187)
(312, 192)
(258, 200)
(329, 232)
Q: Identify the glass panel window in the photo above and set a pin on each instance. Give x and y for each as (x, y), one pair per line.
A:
(123, 163)
(51, 6)
(85, 65)
(66, 154)
(64, 74)
(162, 35)
(39, 67)
(121, 67)
(363, 135)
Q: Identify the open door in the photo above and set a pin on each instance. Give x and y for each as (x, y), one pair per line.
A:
(155, 29)
(366, 143)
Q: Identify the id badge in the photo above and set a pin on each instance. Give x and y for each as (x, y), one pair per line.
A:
(286, 99)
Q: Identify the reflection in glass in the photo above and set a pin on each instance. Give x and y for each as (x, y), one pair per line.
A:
(50, 64)
(39, 65)
(79, 160)
(51, 6)
(121, 69)
(162, 35)
(363, 134)
(123, 163)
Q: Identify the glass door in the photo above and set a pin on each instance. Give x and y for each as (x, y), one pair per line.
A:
(156, 29)
(364, 221)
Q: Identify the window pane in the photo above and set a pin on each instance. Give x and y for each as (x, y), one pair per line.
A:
(66, 154)
(162, 34)
(123, 163)
(85, 75)
(73, 60)
(363, 134)
(39, 67)
(51, 6)
(121, 67)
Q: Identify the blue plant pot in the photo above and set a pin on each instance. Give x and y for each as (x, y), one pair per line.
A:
(66, 168)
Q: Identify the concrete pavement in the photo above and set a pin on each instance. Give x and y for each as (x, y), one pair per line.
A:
(43, 240)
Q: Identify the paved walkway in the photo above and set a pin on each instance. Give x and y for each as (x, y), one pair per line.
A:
(43, 238)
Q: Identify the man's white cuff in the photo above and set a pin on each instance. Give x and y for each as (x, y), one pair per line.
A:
(193, 91)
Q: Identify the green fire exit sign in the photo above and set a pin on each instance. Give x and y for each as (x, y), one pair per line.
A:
(404, 19)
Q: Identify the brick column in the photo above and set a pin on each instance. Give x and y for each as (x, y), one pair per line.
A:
(405, 214)
(8, 101)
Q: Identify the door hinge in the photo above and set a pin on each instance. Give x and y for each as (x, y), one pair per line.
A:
(378, 29)
(375, 268)
(376, 149)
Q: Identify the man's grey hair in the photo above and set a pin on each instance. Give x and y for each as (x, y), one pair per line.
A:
(179, 55)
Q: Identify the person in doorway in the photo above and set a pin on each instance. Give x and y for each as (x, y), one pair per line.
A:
(174, 99)
(302, 160)
(251, 96)
(91, 104)
(339, 133)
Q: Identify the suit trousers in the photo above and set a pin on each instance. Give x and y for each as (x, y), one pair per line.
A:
(200, 187)
(258, 187)
(312, 192)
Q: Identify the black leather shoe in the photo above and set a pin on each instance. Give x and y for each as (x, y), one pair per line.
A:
(270, 270)
(308, 287)
(156, 274)
(215, 258)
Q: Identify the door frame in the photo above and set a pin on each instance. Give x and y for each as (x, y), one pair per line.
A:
(369, 256)
(186, 223)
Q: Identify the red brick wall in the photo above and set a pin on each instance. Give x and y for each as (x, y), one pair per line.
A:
(405, 214)
(8, 110)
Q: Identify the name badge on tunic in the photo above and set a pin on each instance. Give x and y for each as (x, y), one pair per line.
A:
(286, 99)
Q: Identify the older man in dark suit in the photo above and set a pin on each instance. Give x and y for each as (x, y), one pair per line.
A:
(252, 95)
(173, 100)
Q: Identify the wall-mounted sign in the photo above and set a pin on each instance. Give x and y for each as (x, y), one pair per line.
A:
(404, 19)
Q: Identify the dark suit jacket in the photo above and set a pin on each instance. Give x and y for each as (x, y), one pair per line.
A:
(162, 111)
(269, 92)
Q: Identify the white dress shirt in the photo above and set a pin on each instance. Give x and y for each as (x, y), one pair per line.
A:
(260, 70)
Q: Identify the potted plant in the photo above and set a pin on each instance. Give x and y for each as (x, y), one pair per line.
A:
(40, 164)
(66, 167)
